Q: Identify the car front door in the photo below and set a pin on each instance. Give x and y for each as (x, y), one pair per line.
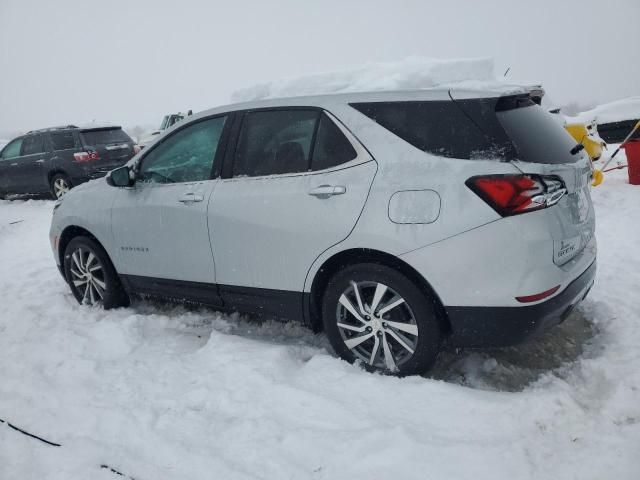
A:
(8, 161)
(29, 167)
(159, 225)
(297, 187)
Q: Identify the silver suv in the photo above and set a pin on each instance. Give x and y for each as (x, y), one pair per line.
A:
(393, 221)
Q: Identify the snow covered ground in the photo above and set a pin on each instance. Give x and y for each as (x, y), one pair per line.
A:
(161, 392)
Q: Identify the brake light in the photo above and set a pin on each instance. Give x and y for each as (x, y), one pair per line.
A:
(136, 149)
(87, 156)
(515, 194)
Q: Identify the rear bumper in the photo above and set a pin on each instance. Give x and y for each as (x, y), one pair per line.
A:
(505, 326)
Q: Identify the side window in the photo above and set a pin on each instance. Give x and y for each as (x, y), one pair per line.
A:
(32, 144)
(62, 140)
(275, 142)
(332, 147)
(186, 156)
(12, 150)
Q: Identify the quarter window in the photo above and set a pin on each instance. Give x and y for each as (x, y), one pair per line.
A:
(186, 156)
(275, 142)
(13, 149)
(63, 140)
(444, 128)
(32, 145)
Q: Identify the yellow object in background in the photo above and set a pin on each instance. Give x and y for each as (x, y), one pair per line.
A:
(598, 178)
(585, 134)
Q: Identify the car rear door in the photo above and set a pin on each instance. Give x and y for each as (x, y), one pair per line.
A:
(159, 226)
(298, 183)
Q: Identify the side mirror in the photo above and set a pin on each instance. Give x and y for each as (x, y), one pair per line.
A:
(121, 177)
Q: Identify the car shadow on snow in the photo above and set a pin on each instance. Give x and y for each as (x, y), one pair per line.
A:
(512, 369)
(509, 369)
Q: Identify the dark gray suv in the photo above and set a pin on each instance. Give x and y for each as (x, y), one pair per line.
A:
(53, 160)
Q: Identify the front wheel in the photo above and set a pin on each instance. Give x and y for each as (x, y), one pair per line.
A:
(91, 275)
(375, 315)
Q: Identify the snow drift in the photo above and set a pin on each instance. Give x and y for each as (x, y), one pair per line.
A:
(162, 392)
(408, 74)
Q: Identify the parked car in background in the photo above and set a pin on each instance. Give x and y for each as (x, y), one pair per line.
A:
(391, 220)
(53, 160)
(167, 122)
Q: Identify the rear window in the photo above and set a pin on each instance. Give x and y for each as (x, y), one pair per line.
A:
(105, 137)
(443, 128)
(537, 136)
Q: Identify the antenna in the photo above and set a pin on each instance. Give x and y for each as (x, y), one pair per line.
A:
(506, 71)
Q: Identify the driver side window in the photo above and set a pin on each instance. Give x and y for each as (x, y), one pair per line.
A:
(186, 156)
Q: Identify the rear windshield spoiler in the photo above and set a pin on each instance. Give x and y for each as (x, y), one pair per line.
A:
(512, 102)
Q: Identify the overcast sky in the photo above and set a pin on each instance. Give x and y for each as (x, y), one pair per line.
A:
(130, 62)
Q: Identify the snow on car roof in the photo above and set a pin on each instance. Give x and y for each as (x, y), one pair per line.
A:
(414, 78)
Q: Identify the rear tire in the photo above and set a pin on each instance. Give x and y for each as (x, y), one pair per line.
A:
(393, 328)
(59, 185)
(91, 276)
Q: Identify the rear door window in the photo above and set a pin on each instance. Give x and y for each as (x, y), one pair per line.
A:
(62, 140)
(32, 145)
(105, 137)
(332, 147)
(12, 150)
(275, 142)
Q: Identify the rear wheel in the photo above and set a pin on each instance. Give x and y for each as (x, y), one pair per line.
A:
(60, 184)
(91, 275)
(375, 315)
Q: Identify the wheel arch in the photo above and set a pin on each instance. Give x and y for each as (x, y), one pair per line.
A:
(365, 255)
(69, 233)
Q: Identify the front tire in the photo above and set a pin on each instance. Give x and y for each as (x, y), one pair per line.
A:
(59, 185)
(374, 314)
(91, 276)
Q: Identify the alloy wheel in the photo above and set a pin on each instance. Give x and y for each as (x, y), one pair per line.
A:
(60, 187)
(87, 276)
(377, 325)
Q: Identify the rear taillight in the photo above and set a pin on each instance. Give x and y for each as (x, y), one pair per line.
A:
(515, 194)
(136, 149)
(87, 156)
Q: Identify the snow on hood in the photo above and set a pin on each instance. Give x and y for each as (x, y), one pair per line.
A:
(617, 111)
(409, 74)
